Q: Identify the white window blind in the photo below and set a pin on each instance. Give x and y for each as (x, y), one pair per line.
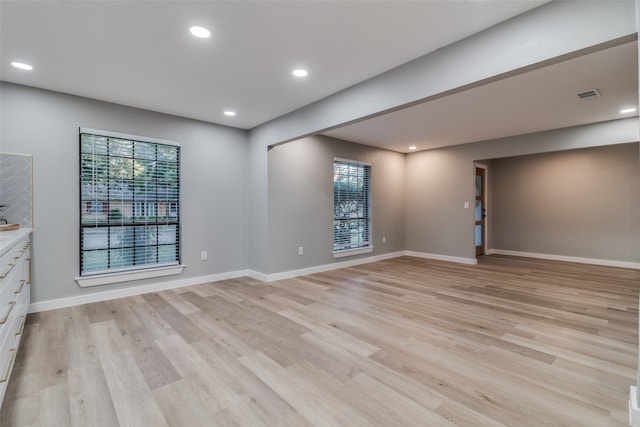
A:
(129, 202)
(351, 205)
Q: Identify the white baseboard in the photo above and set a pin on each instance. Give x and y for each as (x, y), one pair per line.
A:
(257, 275)
(592, 261)
(127, 292)
(155, 287)
(322, 268)
(438, 257)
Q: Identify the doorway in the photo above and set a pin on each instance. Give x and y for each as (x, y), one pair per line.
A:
(480, 210)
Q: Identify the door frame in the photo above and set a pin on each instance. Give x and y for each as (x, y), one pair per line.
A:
(485, 191)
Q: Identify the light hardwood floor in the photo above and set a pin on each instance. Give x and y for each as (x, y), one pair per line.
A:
(403, 342)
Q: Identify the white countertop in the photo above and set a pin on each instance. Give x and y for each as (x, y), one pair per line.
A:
(9, 238)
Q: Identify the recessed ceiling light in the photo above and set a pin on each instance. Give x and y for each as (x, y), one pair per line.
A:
(229, 113)
(413, 147)
(200, 32)
(22, 65)
(628, 110)
(300, 72)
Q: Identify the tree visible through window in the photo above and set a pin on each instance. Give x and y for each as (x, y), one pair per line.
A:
(129, 202)
(351, 205)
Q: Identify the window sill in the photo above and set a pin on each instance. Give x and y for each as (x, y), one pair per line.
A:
(127, 276)
(352, 252)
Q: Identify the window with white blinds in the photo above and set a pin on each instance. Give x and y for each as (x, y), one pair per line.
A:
(351, 205)
(129, 202)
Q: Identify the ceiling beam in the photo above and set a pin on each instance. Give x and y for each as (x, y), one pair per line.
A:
(552, 32)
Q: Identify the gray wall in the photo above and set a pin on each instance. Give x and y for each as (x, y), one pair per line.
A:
(583, 203)
(437, 185)
(301, 201)
(438, 182)
(417, 199)
(546, 34)
(214, 187)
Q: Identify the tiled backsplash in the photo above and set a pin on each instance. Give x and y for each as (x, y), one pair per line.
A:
(16, 189)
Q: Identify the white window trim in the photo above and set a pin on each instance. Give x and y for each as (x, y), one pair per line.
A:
(127, 276)
(351, 252)
(144, 273)
(112, 134)
(356, 162)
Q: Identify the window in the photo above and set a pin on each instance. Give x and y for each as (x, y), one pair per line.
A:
(129, 203)
(351, 206)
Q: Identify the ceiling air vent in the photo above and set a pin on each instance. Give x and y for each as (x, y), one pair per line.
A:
(590, 94)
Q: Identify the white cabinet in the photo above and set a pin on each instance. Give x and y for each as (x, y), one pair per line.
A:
(15, 284)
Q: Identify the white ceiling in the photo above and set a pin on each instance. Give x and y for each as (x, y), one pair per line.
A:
(535, 101)
(140, 53)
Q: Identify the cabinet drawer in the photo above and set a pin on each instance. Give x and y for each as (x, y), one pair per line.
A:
(6, 263)
(15, 327)
(17, 289)
(22, 300)
(7, 267)
(21, 249)
(20, 309)
(8, 286)
(9, 261)
(12, 313)
(7, 356)
(5, 333)
(18, 330)
(6, 311)
(3, 389)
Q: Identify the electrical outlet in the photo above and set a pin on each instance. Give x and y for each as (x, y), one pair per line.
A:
(466, 205)
(203, 255)
(384, 239)
(300, 250)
